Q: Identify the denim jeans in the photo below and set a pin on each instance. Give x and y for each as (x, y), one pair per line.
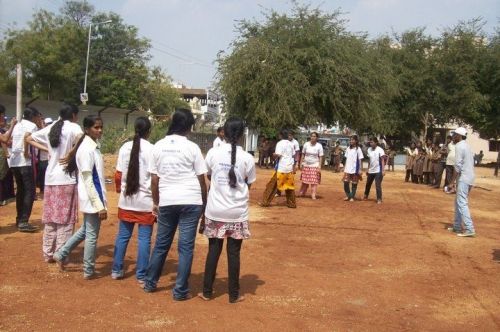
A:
(378, 177)
(89, 231)
(186, 218)
(143, 249)
(25, 194)
(462, 214)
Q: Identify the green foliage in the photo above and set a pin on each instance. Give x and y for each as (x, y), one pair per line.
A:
(113, 137)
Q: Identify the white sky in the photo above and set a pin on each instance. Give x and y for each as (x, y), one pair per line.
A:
(193, 31)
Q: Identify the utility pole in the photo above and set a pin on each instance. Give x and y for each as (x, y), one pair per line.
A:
(19, 92)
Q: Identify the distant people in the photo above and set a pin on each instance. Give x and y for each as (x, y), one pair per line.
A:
(22, 167)
(283, 179)
(411, 155)
(43, 162)
(450, 161)
(376, 169)
(391, 154)
(135, 205)
(86, 160)
(337, 154)
(296, 145)
(219, 140)
(232, 172)
(6, 177)
(478, 158)
(264, 152)
(311, 161)
(427, 162)
(60, 204)
(441, 154)
(464, 177)
(353, 168)
(179, 196)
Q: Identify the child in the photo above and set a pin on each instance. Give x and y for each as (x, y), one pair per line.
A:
(353, 168)
(60, 209)
(135, 204)
(231, 171)
(86, 159)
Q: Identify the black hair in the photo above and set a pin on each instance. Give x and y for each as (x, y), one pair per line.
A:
(88, 122)
(142, 128)
(30, 112)
(233, 130)
(374, 140)
(355, 137)
(220, 129)
(66, 113)
(182, 121)
(315, 133)
(2, 109)
(284, 134)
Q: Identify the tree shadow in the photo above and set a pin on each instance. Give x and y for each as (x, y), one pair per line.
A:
(496, 255)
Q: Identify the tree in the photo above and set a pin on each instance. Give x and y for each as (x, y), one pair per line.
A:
(301, 69)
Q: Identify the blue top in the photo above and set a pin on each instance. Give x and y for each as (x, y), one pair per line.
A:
(464, 163)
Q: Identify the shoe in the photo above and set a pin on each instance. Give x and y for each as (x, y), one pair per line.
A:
(351, 199)
(117, 275)
(379, 201)
(365, 198)
(240, 298)
(451, 229)
(61, 262)
(3, 203)
(467, 234)
(88, 276)
(26, 228)
(203, 297)
(187, 297)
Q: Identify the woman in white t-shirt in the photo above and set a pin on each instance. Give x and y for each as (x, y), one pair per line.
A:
(86, 160)
(376, 169)
(312, 159)
(231, 171)
(135, 205)
(353, 168)
(60, 203)
(179, 196)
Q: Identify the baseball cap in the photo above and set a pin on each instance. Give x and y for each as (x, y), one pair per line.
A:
(48, 120)
(460, 131)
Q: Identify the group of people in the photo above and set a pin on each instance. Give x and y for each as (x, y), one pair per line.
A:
(425, 164)
(164, 183)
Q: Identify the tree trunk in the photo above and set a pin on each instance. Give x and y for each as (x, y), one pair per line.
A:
(498, 159)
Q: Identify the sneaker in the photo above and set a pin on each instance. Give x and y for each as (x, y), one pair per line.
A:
(187, 297)
(61, 262)
(117, 275)
(451, 229)
(26, 228)
(379, 201)
(467, 234)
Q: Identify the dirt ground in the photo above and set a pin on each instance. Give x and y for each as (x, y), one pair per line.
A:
(328, 265)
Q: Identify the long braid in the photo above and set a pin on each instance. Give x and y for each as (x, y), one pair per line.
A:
(142, 128)
(233, 130)
(232, 174)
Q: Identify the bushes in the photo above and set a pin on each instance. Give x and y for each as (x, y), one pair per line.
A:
(115, 135)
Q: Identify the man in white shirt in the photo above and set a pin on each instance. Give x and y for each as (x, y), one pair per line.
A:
(464, 176)
(22, 168)
(219, 140)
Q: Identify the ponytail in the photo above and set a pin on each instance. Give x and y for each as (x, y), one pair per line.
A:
(66, 113)
(233, 130)
(142, 128)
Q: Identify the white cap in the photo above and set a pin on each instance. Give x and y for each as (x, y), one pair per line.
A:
(461, 131)
(48, 120)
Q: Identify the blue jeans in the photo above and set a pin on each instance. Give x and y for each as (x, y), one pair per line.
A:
(89, 231)
(143, 250)
(462, 214)
(171, 216)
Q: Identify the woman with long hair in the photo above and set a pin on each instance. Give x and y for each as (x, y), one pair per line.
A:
(179, 195)
(231, 171)
(312, 159)
(60, 203)
(376, 169)
(135, 204)
(86, 160)
(353, 168)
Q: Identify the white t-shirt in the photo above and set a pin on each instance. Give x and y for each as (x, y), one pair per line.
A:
(375, 156)
(17, 158)
(55, 174)
(178, 162)
(88, 156)
(296, 145)
(312, 154)
(225, 203)
(450, 159)
(218, 142)
(142, 200)
(286, 150)
(352, 156)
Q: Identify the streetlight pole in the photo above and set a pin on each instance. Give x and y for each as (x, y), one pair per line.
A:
(84, 96)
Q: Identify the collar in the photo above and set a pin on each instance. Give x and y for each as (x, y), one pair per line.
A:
(91, 143)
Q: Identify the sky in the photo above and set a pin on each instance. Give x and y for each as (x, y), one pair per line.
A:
(186, 35)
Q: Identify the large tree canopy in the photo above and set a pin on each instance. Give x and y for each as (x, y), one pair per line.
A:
(53, 48)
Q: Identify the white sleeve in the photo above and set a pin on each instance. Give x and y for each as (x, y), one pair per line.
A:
(86, 161)
(153, 161)
(91, 191)
(360, 154)
(208, 161)
(321, 152)
(251, 173)
(279, 149)
(199, 164)
(42, 136)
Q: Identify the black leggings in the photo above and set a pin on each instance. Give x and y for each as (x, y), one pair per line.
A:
(233, 248)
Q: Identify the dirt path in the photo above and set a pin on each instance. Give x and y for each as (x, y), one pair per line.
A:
(328, 265)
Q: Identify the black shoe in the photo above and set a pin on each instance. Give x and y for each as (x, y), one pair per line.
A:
(26, 228)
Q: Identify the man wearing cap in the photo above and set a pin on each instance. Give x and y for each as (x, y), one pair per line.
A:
(464, 177)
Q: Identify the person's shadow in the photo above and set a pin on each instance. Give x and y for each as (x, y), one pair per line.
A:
(248, 284)
(496, 255)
